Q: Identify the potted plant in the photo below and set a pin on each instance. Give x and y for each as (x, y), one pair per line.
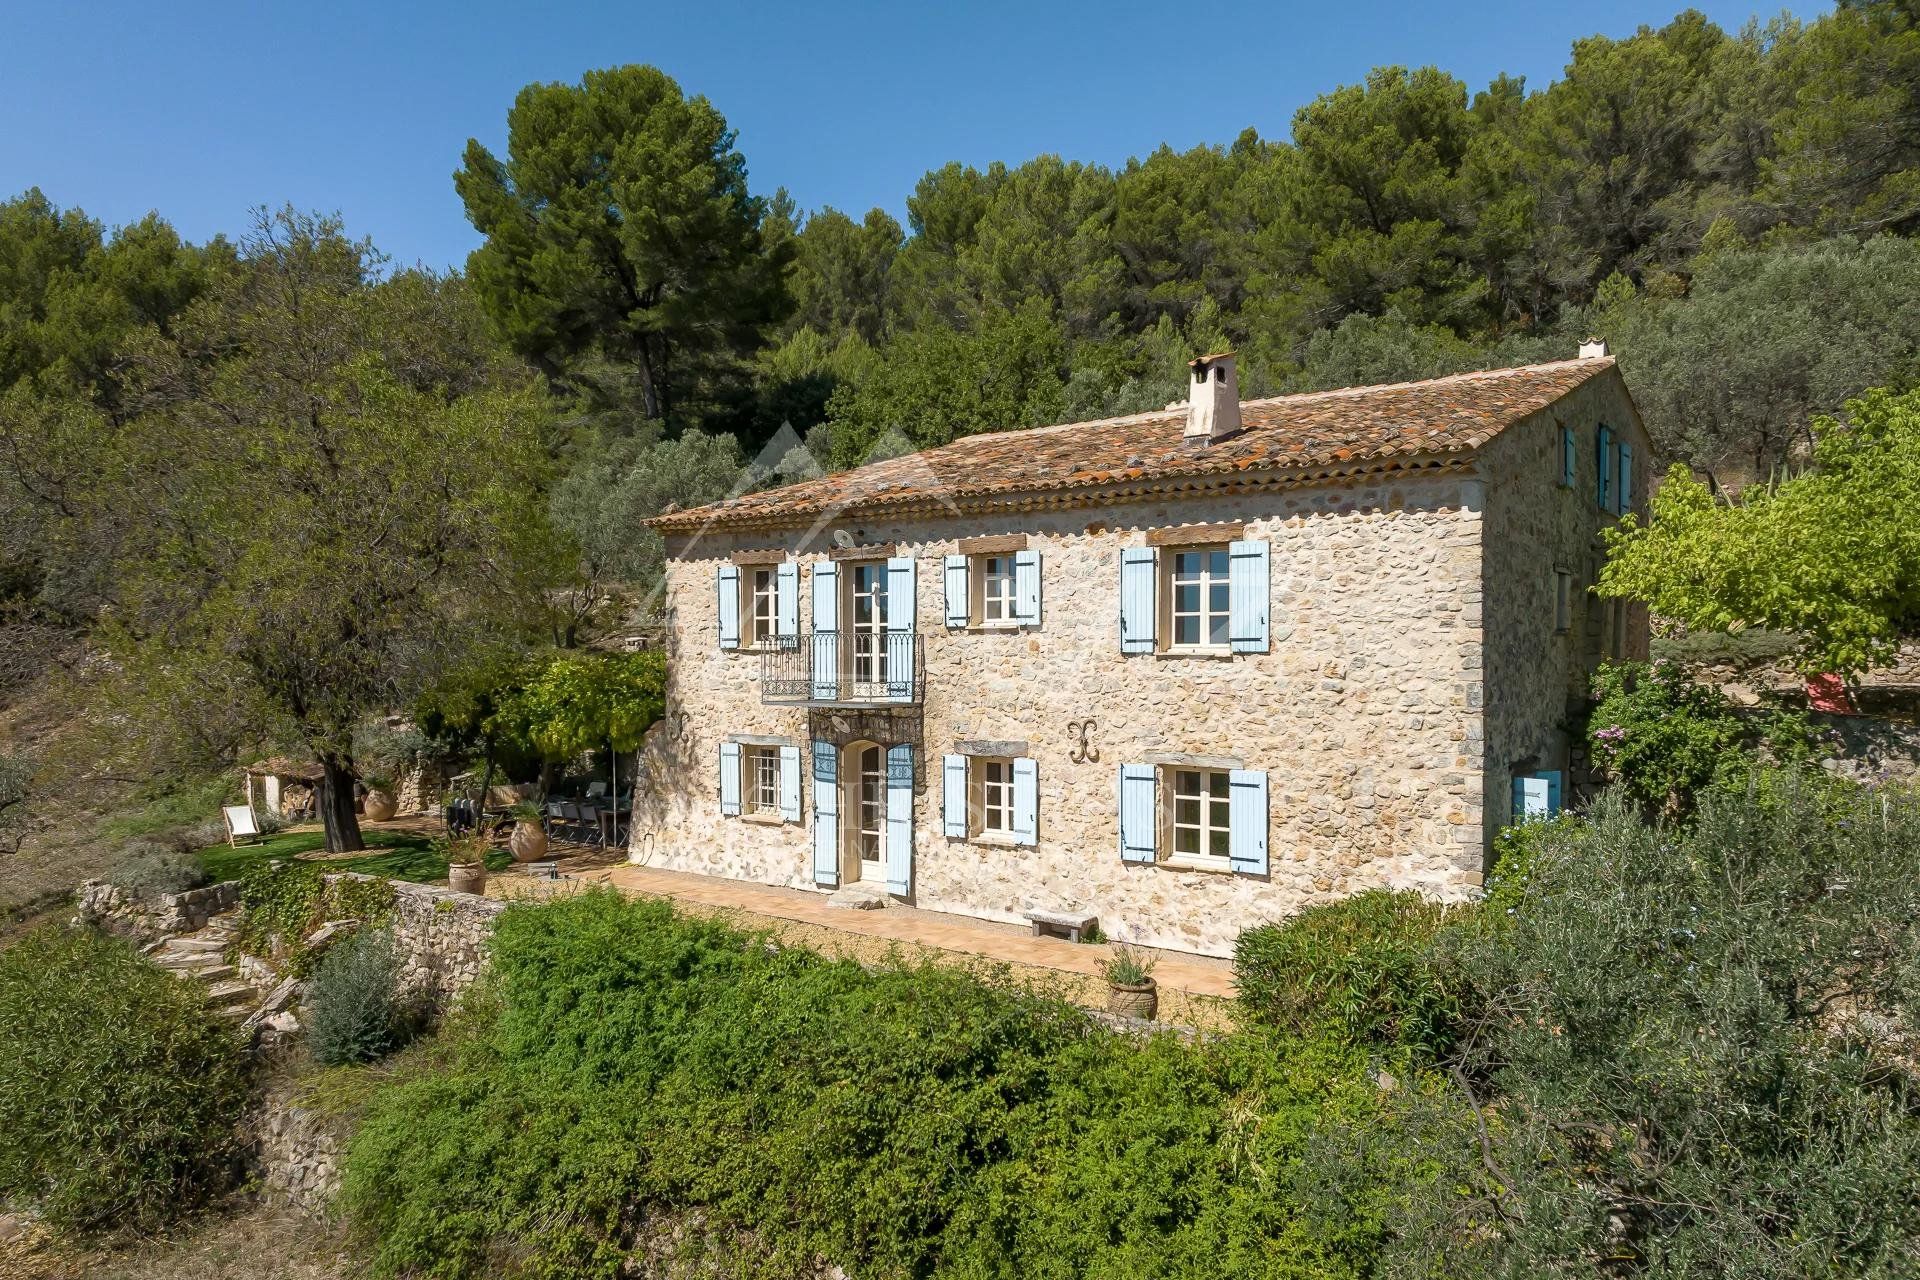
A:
(1131, 989)
(380, 804)
(467, 863)
(529, 838)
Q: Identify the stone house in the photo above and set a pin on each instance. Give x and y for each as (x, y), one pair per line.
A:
(1183, 671)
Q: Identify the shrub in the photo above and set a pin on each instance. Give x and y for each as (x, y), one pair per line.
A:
(1697, 1045)
(119, 1089)
(1363, 969)
(357, 1016)
(1664, 738)
(1127, 967)
(149, 869)
(647, 1073)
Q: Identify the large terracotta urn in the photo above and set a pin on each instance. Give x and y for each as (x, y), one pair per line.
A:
(379, 805)
(528, 841)
(467, 877)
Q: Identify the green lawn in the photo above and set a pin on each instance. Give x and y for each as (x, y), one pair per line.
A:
(398, 855)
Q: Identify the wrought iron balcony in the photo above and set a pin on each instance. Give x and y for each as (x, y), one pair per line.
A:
(845, 669)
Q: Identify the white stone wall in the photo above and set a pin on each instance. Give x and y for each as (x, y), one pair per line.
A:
(1365, 713)
(1537, 678)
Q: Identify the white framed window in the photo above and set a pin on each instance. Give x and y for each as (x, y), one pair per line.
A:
(762, 606)
(762, 768)
(1562, 601)
(996, 577)
(1200, 814)
(1199, 597)
(994, 787)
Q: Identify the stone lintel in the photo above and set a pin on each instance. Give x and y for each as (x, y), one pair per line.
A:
(866, 551)
(762, 740)
(763, 555)
(993, 544)
(989, 747)
(1186, 760)
(1188, 534)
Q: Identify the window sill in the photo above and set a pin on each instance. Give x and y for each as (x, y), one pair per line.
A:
(995, 839)
(764, 819)
(1196, 651)
(995, 627)
(1190, 862)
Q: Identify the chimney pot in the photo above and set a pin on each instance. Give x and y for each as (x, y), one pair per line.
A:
(1593, 349)
(1213, 398)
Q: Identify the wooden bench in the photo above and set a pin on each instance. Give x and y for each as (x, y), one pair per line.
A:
(1059, 924)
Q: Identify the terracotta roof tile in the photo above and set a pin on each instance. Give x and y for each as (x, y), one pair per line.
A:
(1372, 427)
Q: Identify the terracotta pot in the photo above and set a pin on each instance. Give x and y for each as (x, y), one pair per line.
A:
(379, 806)
(1140, 1000)
(468, 877)
(528, 841)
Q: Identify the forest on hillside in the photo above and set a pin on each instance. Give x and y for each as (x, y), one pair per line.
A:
(287, 483)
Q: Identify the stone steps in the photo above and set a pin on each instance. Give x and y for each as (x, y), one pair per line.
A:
(231, 993)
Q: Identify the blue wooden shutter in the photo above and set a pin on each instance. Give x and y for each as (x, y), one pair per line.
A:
(790, 784)
(1138, 821)
(730, 779)
(901, 611)
(900, 819)
(729, 600)
(1626, 478)
(953, 796)
(826, 814)
(1247, 821)
(1247, 596)
(1137, 575)
(958, 602)
(786, 586)
(1567, 456)
(1553, 790)
(823, 663)
(1531, 797)
(1603, 463)
(1026, 588)
(1026, 801)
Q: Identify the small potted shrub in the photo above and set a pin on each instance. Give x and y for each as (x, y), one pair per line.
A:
(380, 803)
(1131, 989)
(529, 838)
(467, 863)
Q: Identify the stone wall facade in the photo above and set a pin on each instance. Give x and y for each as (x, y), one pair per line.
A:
(113, 909)
(295, 1151)
(1369, 712)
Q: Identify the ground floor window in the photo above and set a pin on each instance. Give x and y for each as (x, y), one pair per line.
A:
(762, 768)
(995, 790)
(1201, 815)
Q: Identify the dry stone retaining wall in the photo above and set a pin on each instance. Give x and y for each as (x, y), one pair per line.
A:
(109, 907)
(441, 936)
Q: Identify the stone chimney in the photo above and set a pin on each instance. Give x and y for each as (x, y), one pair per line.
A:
(1593, 349)
(1213, 398)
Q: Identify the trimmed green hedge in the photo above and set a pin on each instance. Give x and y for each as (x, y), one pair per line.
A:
(646, 1068)
(1363, 970)
(119, 1088)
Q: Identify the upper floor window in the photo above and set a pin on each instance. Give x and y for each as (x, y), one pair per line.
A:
(763, 606)
(996, 588)
(1199, 598)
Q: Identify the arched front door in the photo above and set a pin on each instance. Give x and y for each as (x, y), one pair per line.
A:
(863, 767)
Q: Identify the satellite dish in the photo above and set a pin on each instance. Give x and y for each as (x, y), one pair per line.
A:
(841, 538)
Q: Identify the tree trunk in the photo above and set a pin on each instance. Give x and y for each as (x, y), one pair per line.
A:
(335, 802)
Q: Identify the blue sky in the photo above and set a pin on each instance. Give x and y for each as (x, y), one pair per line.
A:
(202, 111)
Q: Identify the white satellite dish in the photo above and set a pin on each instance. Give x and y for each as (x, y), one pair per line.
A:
(842, 538)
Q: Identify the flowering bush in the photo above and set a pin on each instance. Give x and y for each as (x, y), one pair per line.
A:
(1663, 738)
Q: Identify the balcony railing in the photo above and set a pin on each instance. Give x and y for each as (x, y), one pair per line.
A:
(845, 669)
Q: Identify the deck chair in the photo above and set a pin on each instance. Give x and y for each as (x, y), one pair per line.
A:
(239, 818)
